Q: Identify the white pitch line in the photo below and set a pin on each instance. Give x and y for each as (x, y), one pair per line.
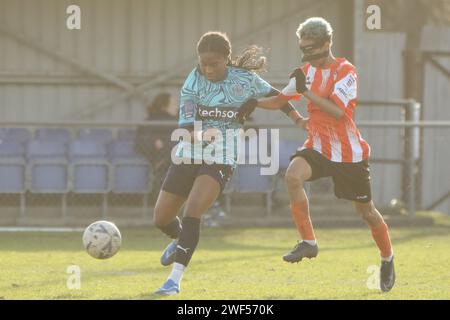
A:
(39, 229)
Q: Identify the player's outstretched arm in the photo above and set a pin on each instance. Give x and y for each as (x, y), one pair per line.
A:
(326, 105)
(271, 103)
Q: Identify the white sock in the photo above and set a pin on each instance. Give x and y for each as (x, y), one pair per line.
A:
(177, 273)
(311, 242)
(388, 259)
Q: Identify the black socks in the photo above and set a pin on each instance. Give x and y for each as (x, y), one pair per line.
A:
(188, 240)
(173, 229)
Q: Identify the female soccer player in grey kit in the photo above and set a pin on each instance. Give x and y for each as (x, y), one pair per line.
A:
(212, 93)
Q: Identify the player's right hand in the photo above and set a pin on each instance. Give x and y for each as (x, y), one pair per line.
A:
(246, 109)
(300, 80)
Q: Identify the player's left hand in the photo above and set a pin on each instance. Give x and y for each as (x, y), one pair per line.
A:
(246, 109)
(300, 80)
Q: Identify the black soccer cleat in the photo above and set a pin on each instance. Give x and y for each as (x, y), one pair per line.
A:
(300, 251)
(387, 275)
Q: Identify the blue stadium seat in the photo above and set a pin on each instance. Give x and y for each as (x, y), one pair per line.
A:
(101, 135)
(132, 173)
(13, 171)
(131, 176)
(48, 166)
(248, 149)
(48, 169)
(20, 135)
(127, 134)
(248, 179)
(12, 167)
(90, 166)
(11, 149)
(54, 134)
(123, 149)
(3, 134)
(90, 169)
(287, 149)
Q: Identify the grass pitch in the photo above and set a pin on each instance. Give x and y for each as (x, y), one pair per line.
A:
(228, 264)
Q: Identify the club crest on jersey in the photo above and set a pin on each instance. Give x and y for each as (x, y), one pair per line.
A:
(237, 90)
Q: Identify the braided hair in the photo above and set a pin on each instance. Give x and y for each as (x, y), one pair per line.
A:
(250, 59)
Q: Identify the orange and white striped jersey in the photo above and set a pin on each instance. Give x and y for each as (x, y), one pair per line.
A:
(339, 140)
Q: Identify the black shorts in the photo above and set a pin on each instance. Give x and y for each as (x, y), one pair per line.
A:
(351, 180)
(180, 177)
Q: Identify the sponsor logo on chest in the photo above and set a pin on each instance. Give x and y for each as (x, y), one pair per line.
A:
(217, 113)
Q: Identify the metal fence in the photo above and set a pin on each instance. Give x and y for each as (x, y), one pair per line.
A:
(74, 170)
(68, 171)
(403, 168)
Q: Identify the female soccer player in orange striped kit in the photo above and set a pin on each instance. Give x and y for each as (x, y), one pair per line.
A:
(334, 147)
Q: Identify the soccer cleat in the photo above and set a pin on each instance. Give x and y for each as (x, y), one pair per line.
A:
(300, 251)
(168, 255)
(387, 275)
(168, 288)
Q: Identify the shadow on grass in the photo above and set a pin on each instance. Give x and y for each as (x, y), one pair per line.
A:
(154, 269)
(213, 241)
(148, 296)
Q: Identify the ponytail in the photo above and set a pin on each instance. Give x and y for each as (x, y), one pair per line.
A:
(250, 59)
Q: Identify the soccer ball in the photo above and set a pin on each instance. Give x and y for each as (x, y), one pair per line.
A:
(102, 239)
